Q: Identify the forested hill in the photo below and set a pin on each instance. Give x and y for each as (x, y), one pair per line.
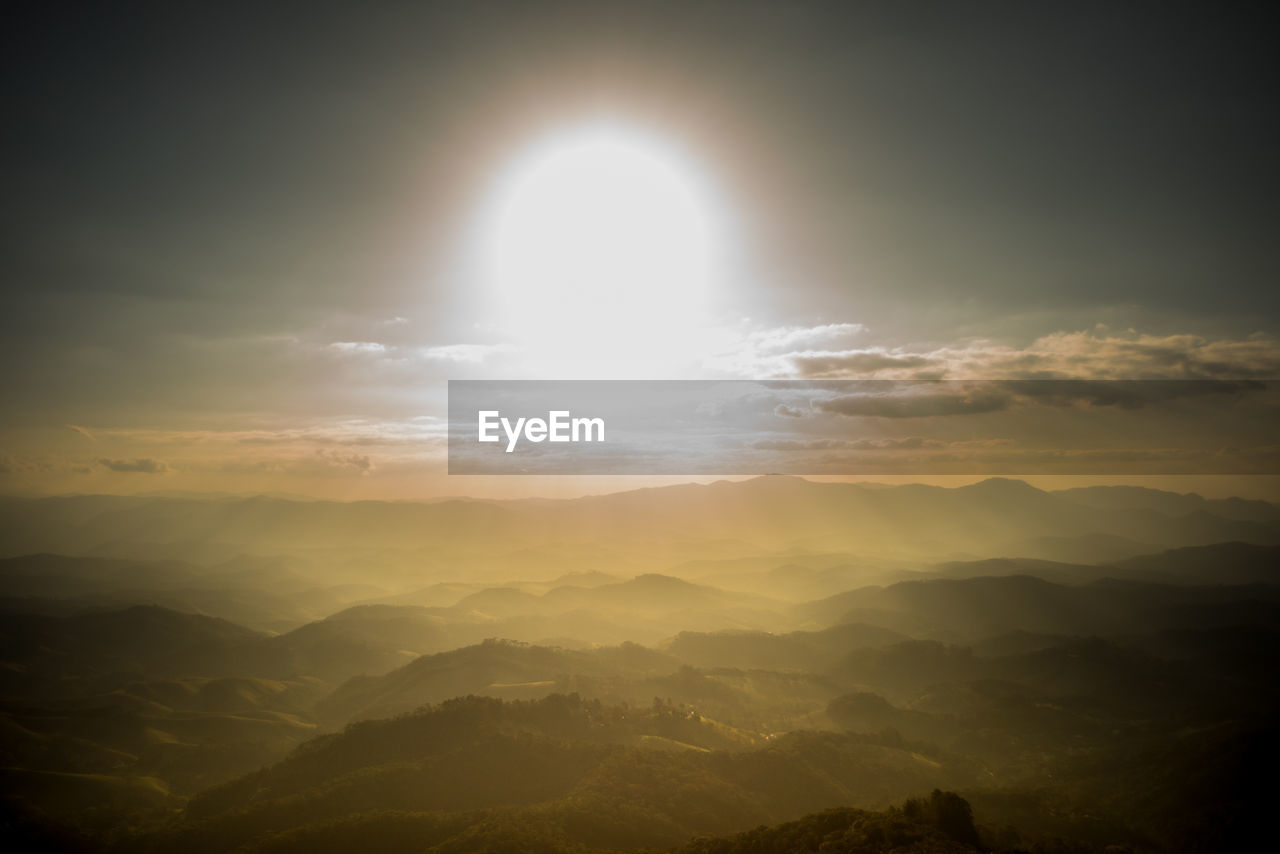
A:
(589, 775)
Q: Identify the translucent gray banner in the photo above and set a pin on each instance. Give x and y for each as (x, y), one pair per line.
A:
(888, 427)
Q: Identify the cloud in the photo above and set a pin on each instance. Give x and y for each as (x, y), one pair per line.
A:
(336, 461)
(1097, 354)
(322, 462)
(415, 431)
(991, 458)
(908, 443)
(911, 399)
(82, 431)
(16, 465)
(43, 466)
(462, 353)
(1101, 355)
(915, 405)
(358, 347)
(764, 352)
(818, 365)
(797, 444)
(1126, 394)
(789, 337)
(141, 466)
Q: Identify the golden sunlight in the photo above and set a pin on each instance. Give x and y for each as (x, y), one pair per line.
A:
(597, 236)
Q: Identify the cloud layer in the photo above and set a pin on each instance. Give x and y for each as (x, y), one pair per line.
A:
(1096, 354)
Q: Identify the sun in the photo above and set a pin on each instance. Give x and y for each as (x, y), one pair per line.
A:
(604, 236)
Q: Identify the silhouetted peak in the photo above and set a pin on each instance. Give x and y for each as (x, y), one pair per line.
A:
(374, 612)
(1003, 486)
(657, 581)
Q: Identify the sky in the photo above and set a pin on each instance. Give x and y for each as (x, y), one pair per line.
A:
(246, 245)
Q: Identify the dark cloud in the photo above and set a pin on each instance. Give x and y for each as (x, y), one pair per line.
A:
(1126, 394)
(142, 465)
(915, 405)
(818, 365)
(321, 462)
(13, 465)
(912, 399)
(82, 431)
(909, 443)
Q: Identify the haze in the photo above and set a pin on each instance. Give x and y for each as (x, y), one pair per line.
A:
(244, 607)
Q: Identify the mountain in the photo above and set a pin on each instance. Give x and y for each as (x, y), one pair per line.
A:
(1082, 549)
(59, 576)
(1220, 563)
(807, 651)
(263, 674)
(507, 776)
(974, 608)
(654, 593)
(1170, 503)
(646, 609)
(494, 668)
(60, 656)
(659, 527)
(940, 824)
(366, 639)
(270, 594)
(1047, 570)
(500, 602)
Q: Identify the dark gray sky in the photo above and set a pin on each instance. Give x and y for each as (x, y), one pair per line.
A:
(204, 199)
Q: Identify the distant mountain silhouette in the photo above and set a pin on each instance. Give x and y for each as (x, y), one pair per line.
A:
(494, 668)
(1220, 563)
(812, 651)
(266, 593)
(1171, 503)
(973, 608)
(764, 513)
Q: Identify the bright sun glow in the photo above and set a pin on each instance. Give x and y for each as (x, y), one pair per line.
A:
(602, 237)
